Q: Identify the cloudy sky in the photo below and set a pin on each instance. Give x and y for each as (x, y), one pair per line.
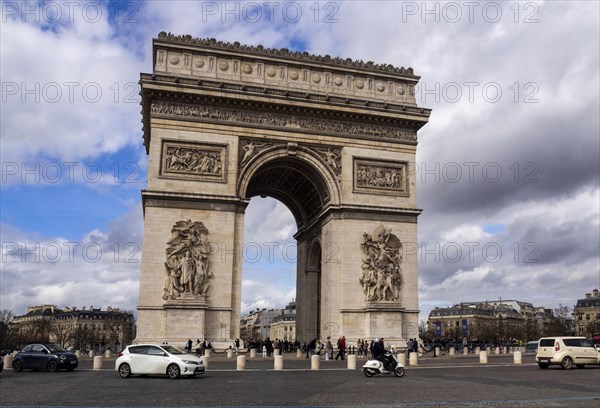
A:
(507, 168)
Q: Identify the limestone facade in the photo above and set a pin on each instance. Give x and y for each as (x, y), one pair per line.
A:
(332, 139)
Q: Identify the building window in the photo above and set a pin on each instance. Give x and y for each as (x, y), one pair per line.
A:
(587, 316)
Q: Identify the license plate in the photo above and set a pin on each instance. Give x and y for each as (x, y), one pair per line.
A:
(544, 360)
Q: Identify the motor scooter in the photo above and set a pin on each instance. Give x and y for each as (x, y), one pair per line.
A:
(373, 366)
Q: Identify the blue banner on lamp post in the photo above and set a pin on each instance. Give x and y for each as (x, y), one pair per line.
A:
(465, 328)
(438, 328)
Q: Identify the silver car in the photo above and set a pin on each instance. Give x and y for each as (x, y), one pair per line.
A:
(148, 359)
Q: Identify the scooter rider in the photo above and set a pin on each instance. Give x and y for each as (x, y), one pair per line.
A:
(379, 353)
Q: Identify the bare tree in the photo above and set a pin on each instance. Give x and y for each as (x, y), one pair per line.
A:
(62, 333)
(562, 322)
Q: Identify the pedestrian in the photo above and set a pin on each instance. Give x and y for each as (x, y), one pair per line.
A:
(188, 347)
(409, 346)
(341, 343)
(359, 347)
(264, 351)
(329, 349)
(310, 349)
(237, 346)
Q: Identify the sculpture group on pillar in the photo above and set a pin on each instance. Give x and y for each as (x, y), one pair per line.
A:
(381, 273)
(188, 261)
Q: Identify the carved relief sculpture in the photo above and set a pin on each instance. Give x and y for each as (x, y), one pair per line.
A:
(333, 157)
(380, 177)
(381, 265)
(204, 161)
(188, 262)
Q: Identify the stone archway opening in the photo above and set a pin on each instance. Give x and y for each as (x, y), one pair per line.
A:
(300, 187)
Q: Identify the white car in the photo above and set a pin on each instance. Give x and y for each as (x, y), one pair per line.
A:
(566, 352)
(153, 359)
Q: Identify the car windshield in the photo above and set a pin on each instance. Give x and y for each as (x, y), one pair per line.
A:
(54, 348)
(172, 350)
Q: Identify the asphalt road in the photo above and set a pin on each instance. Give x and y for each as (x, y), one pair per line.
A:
(442, 382)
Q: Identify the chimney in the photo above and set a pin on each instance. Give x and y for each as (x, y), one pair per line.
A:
(588, 295)
(596, 293)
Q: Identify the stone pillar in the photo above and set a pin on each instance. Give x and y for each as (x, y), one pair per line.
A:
(91, 354)
(229, 353)
(477, 350)
(207, 352)
(8, 360)
(465, 350)
(278, 363)
(276, 352)
(204, 359)
(437, 351)
(483, 357)
(401, 358)
(241, 362)
(412, 359)
(497, 350)
(451, 352)
(352, 362)
(315, 361)
(108, 354)
(488, 350)
(518, 357)
(252, 353)
(298, 353)
(98, 360)
(77, 354)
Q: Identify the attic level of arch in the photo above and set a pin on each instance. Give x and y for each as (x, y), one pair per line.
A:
(165, 98)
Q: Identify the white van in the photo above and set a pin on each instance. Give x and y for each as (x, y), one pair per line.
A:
(566, 352)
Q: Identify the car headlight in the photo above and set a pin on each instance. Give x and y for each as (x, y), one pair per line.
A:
(190, 362)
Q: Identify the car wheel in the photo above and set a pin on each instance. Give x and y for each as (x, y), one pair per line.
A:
(173, 371)
(567, 363)
(543, 365)
(124, 370)
(18, 366)
(368, 372)
(580, 365)
(399, 371)
(52, 366)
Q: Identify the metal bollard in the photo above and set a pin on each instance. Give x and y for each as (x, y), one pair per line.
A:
(352, 362)
(98, 361)
(241, 362)
(483, 358)
(315, 361)
(412, 359)
(8, 360)
(278, 363)
(518, 357)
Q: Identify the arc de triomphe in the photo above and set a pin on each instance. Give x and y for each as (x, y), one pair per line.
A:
(333, 139)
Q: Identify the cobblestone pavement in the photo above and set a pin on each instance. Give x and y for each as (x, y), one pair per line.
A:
(448, 382)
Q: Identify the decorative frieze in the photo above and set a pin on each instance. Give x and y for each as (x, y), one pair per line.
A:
(281, 121)
(284, 69)
(205, 162)
(380, 177)
(381, 277)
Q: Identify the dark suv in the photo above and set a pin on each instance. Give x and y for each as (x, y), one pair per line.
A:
(49, 357)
